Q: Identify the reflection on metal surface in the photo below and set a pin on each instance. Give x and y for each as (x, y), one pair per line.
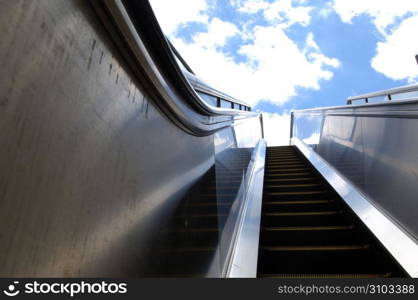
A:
(373, 146)
(231, 170)
(243, 261)
(247, 133)
(233, 149)
(307, 127)
(199, 238)
(400, 245)
(186, 246)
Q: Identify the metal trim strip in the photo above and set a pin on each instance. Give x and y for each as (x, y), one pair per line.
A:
(356, 106)
(244, 253)
(398, 90)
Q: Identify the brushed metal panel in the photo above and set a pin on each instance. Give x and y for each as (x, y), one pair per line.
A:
(89, 169)
(233, 149)
(375, 147)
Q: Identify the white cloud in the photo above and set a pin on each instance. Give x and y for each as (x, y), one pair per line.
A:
(171, 14)
(251, 6)
(276, 129)
(383, 12)
(279, 66)
(395, 56)
(274, 66)
(286, 12)
(326, 10)
(218, 32)
(310, 42)
(397, 21)
(322, 60)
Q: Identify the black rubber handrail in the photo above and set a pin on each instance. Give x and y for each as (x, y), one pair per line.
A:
(134, 27)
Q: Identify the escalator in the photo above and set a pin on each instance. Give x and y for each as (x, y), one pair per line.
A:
(159, 177)
(307, 230)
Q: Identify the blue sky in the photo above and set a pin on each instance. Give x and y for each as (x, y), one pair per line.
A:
(281, 55)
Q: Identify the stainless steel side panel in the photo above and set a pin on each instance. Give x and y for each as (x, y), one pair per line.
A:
(244, 256)
(234, 147)
(375, 147)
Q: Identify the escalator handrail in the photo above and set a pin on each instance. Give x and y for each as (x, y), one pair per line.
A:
(149, 55)
(385, 93)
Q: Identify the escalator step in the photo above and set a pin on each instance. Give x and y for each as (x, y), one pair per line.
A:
(294, 202)
(296, 193)
(293, 186)
(311, 236)
(285, 180)
(291, 175)
(305, 220)
(307, 231)
(309, 228)
(354, 259)
(317, 248)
